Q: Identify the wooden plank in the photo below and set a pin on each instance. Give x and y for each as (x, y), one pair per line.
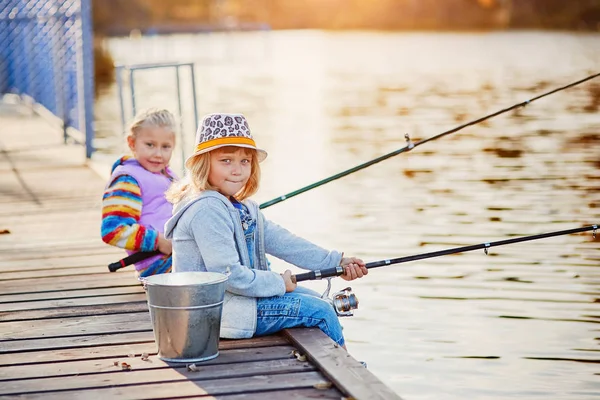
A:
(84, 244)
(56, 249)
(76, 326)
(41, 280)
(65, 215)
(68, 342)
(106, 364)
(46, 252)
(51, 205)
(36, 285)
(80, 301)
(116, 376)
(78, 225)
(56, 272)
(117, 346)
(289, 394)
(137, 306)
(58, 197)
(166, 390)
(32, 298)
(12, 209)
(133, 346)
(50, 262)
(338, 365)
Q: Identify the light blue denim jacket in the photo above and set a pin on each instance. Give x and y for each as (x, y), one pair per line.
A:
(207, 235)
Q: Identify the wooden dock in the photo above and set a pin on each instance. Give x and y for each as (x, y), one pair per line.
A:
(70, 329)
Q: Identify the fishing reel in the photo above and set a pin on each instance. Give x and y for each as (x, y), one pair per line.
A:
(343, 301)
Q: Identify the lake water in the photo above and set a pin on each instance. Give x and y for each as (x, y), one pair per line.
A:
(522, 322)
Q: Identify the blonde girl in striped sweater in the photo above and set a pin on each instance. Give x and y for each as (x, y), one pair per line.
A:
(134, 207)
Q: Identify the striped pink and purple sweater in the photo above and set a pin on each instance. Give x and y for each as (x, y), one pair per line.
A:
(121, 212)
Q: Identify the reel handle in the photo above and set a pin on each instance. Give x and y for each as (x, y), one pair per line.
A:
(318, 274)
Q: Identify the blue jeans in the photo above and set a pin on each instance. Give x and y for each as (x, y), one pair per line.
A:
(302, 307)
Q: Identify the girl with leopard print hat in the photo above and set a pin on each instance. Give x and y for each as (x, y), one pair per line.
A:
(216, 227)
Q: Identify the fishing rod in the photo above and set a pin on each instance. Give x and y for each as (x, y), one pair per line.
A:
(409, 146)
(345, 301)
(337, 271)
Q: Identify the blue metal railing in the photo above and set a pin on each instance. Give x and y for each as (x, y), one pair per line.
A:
(46, 53)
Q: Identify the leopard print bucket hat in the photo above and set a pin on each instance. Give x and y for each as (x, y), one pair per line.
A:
(220, 130)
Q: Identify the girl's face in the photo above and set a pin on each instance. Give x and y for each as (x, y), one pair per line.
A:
(152, 147)
(230, 169)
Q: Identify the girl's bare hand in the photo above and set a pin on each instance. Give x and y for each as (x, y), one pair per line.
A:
(353, 268)
(289, 284)
(164, 245)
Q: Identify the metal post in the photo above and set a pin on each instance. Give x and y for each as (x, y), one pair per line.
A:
(87, 54)
(194, 97)
(121, 101)
(132, 88)
(59, 85)
(27, 87)
(180, 109)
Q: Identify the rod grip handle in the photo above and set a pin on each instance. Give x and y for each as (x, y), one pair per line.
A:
(132, 259)
(318, 274)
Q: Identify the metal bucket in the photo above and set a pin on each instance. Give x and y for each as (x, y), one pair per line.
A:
(185, 308)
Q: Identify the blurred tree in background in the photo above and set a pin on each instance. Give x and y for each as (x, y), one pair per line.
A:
(118, 17)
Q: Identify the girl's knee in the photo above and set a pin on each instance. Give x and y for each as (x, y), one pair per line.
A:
(329, 321)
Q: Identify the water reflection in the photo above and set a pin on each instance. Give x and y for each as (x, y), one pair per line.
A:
(467, 326)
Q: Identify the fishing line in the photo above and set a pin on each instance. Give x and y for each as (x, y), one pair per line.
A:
(410, 145)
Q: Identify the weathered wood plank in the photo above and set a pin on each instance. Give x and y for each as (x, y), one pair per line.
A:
(102, 346)
(68, 342)
(116, 376)
(32, 298)
(136, 296)
(52, 250)
(218, 387)
(54, 273)
(134, 346)
(71, 327)
(57, 207)
(48, 261)
(288, 394)
(40, 250)
(36, 285)
(106, 364)
(78, 225)
(47, 280)
(137, 306)
(338, 365)
(51, 210)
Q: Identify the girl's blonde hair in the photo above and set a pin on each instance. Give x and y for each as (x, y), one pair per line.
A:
(151, 118)
(196, 178)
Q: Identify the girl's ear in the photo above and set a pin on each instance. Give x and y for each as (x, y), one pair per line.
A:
(131, 142)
